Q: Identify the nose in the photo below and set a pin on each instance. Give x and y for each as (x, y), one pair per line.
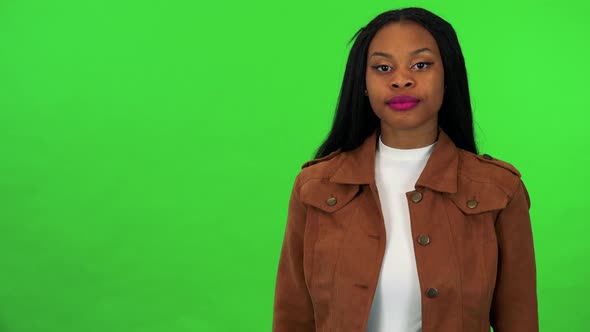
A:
(406, 83)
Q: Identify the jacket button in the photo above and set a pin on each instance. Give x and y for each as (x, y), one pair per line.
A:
(432, 293)
(424, 240)
(416, 197)
(331, 201)
(487, 156)
(472, 204)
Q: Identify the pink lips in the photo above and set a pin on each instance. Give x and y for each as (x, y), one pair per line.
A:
(403, 103)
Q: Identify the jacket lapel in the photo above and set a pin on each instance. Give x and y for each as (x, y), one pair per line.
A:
(439, 174)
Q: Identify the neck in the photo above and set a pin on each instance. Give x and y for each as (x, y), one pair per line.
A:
(409, 138)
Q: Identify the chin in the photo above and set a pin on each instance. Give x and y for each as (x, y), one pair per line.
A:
(406, 123)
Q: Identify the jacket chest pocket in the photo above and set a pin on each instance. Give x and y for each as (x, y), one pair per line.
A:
(327, 196)
(472, 213)
(331, 210)
(473, 210)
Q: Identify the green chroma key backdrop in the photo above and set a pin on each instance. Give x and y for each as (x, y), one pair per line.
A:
(148, 149)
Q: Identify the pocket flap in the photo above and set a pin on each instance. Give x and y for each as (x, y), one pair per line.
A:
(327, 196)
(479, 199)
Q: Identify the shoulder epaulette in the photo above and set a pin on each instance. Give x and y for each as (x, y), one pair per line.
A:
(489, 159)
(318, 160)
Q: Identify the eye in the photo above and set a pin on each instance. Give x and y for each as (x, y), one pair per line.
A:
(385, 67)
(422, 65)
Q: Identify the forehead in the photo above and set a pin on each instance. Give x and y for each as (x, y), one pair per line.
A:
(402, 37)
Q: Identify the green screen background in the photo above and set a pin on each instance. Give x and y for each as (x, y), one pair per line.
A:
(148, 148)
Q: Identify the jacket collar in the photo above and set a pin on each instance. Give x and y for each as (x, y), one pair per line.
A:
(439, 174)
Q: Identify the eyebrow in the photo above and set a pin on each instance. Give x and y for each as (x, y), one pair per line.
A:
(387, 55)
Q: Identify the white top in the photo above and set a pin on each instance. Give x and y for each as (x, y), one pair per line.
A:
(397, 303)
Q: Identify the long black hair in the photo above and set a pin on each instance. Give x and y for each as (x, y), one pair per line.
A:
(355, 120)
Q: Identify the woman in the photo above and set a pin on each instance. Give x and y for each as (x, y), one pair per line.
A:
(398, 224)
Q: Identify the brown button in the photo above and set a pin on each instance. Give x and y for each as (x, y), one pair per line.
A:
(472, 204)
(487, 156)
(424, 240)
(416, 197)
(331, 201)
(432, 292)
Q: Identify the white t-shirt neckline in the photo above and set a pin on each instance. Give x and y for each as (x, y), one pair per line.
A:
(405, 154)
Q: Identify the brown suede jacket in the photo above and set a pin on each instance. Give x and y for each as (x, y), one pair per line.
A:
(472, 241)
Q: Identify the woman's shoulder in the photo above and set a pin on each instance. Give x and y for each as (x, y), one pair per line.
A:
(315, 161)
(487, 169)
(314, 188)
(322, 167)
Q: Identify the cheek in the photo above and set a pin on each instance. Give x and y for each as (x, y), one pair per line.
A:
(369, 80)
(375, 106)
(438, 86)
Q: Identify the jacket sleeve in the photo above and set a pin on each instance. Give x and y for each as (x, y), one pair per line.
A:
(293, 309)
(514, 305)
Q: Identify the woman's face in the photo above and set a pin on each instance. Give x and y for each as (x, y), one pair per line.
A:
(404, 60)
